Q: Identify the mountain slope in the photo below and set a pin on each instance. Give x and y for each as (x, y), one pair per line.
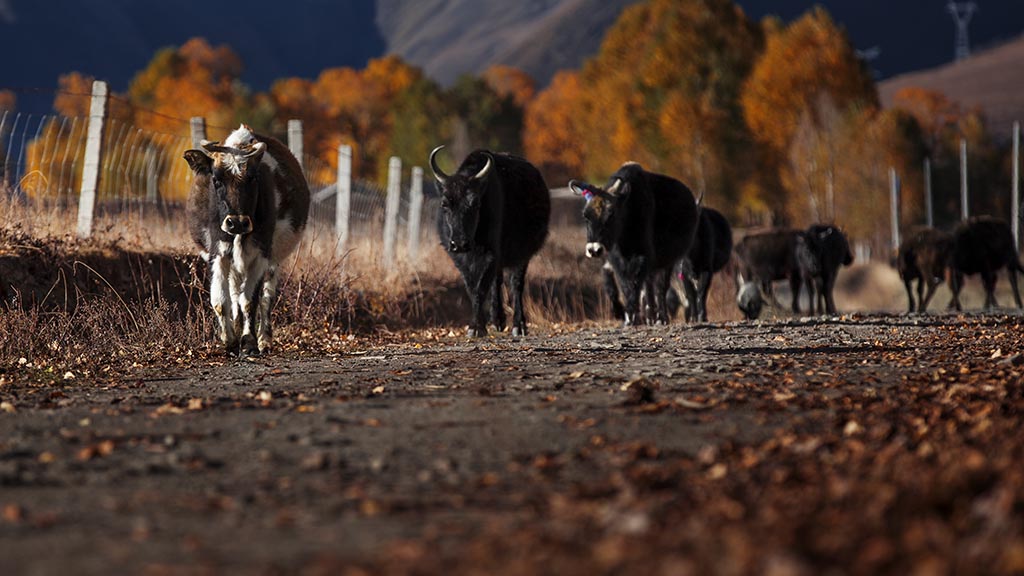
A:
(452, 37)
(989, 80)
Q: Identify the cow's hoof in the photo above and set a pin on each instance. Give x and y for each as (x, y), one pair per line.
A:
(249, 347)
(476, 332)
(518, 332)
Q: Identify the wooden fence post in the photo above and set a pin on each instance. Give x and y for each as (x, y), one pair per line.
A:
(965, 208)
(1015, 197)
(415, 212)
(93, 158)
(343, 196)
(894, 207)
(197, 126)
(391, 210)
(295, 140)
(929, 210)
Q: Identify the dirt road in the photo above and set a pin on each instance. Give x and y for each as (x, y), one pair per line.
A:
(866, 444)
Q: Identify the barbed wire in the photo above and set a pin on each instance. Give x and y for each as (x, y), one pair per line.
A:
(113, 97)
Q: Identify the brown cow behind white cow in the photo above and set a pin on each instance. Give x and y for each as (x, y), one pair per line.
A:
(246, 210)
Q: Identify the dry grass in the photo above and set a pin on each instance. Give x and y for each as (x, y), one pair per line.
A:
(136, 290)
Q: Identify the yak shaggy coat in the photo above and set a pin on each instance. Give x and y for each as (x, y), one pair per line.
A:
(646, 223)
(493, 217)
(246, 211)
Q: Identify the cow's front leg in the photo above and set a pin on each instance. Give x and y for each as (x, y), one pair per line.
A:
(631, 288)
(794, 286)
(703, 288)
(497, 302)
(220, 300)
(517, 281)
(659, 283)
(611, 288)
(267, 297)
(249, 288)
(479, 277)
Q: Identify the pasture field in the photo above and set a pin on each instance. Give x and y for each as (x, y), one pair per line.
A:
(377, 439)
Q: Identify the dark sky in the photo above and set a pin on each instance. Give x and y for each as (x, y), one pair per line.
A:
(114, 39)
(912, 34)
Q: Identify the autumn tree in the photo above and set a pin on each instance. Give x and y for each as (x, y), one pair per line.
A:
(810, 59)
(195, 79)
(943, 124)
(8, 100)
(552, 129)
(511, 82)
(482, 118)
(664, 91)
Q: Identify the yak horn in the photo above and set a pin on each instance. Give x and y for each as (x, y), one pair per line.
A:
(485, 170)
(212, 147)
(438, 173)
(614, 188)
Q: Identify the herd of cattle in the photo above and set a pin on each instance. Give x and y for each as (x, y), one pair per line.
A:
(249, 203)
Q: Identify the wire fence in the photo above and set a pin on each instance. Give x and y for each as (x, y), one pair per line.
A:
(144, 178)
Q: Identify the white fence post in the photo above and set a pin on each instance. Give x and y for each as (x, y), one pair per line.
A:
(894, 207)
(391, 210)
(343, 196)
(197, 127)
(929, 211)
(965, 209)
(295, 140)
(415, 212)
(93, 158)
(1015, 198)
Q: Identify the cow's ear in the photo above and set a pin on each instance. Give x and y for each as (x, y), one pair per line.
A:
(199, 161)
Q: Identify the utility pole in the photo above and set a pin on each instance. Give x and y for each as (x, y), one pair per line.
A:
(962, 13)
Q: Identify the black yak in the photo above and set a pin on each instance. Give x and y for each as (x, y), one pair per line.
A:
(983, 245)
(645, 222)
(763, 258)
(494, 217)
(923, 257)
(820, 251)
(711, 250)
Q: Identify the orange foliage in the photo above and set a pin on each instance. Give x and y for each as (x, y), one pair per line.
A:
(193, 80)
(8, 100)
(510, 82)
(344, 105)
(809, 58)
(551, 135)
(803, 64)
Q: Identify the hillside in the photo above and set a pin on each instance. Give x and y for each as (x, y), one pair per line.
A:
(989, 80)
(450, 37)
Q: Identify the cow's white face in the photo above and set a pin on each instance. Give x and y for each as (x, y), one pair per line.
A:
(231, 176)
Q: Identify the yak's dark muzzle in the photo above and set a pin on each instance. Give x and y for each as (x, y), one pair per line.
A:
(457, 247)
(237, 225)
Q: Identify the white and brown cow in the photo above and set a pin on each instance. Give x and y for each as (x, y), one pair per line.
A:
(246, 210)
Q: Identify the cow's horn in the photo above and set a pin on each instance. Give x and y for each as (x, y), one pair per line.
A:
(257, 149)
(438, 173)
(212, 147)
(485, 170)
(614, 188)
